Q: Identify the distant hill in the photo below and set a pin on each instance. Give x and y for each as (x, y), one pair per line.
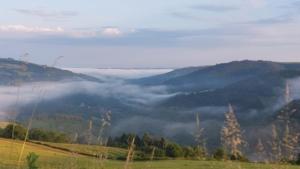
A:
(247, 84)
(164, 78)
(13, 72)
(217, 76)
(254, 88)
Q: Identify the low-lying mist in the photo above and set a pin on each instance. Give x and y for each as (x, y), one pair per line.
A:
(11, 96)
(178, 124)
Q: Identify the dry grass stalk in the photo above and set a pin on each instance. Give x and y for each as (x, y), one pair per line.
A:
(289, 144)
(261, 155)
(148, 164)
(41, 94)
(28, 129)
(90, 132)
(200, 141)
(275, 154)
(130, 154)
(231, 135)
(105, 123)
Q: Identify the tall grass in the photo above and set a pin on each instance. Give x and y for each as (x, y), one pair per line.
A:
(41, 95)
(130, 154)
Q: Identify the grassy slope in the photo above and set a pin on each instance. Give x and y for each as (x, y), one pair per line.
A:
(89, 150)
(56, 159)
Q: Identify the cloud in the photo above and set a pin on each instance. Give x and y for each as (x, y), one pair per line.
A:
(214, 8)
(111, 31)
(29, 29)
(119, 73)
(274, 20)
(185, 15)
(150, 38)
(257, 3)
(45, 14)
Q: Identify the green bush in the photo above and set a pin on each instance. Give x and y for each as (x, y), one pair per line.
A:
(173, 150)
(220, 154)
(1, 131)
(31, 161)
(19, 132)
(49, 136)
(238, 157)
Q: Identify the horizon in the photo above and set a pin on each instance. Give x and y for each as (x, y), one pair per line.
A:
(145, 68)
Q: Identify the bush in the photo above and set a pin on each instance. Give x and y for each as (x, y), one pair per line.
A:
(1, 131)
(188, 152)
(31, 160)
(220, 154)
(49, 136)
(298, 159)
(238, 157)
(19, 132)
(173, 150)
(159, 153)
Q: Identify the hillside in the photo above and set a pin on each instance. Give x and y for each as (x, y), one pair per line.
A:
(292, 110)
(13, 72)
(217, 76)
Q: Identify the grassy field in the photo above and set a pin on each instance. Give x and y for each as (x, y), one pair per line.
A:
(88, 150)
(52, 158)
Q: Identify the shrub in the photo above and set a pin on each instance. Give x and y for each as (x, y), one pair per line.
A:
(188, 152)
(19, 132)
(31, 161)
(238, 157)
(220, 154)
(174, 150)
(50, 136)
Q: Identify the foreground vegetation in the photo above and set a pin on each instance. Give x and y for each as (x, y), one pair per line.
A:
(53, 158)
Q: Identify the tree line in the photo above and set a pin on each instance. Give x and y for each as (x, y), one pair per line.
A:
(17, 131)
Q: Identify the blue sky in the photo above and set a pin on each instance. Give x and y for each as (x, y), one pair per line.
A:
(157, 33)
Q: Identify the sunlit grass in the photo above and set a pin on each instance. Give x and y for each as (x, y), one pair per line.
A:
(50, 158)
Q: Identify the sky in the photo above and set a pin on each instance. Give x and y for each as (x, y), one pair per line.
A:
(149, 34)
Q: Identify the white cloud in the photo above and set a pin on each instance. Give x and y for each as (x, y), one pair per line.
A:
(111, 31)
(258, 3)
(29, 29)
(46, 14)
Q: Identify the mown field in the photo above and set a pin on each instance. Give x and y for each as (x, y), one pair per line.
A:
(53, 158)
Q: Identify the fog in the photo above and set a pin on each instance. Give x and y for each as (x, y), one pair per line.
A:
(153, 121)
(12, 97)
(119, 73)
